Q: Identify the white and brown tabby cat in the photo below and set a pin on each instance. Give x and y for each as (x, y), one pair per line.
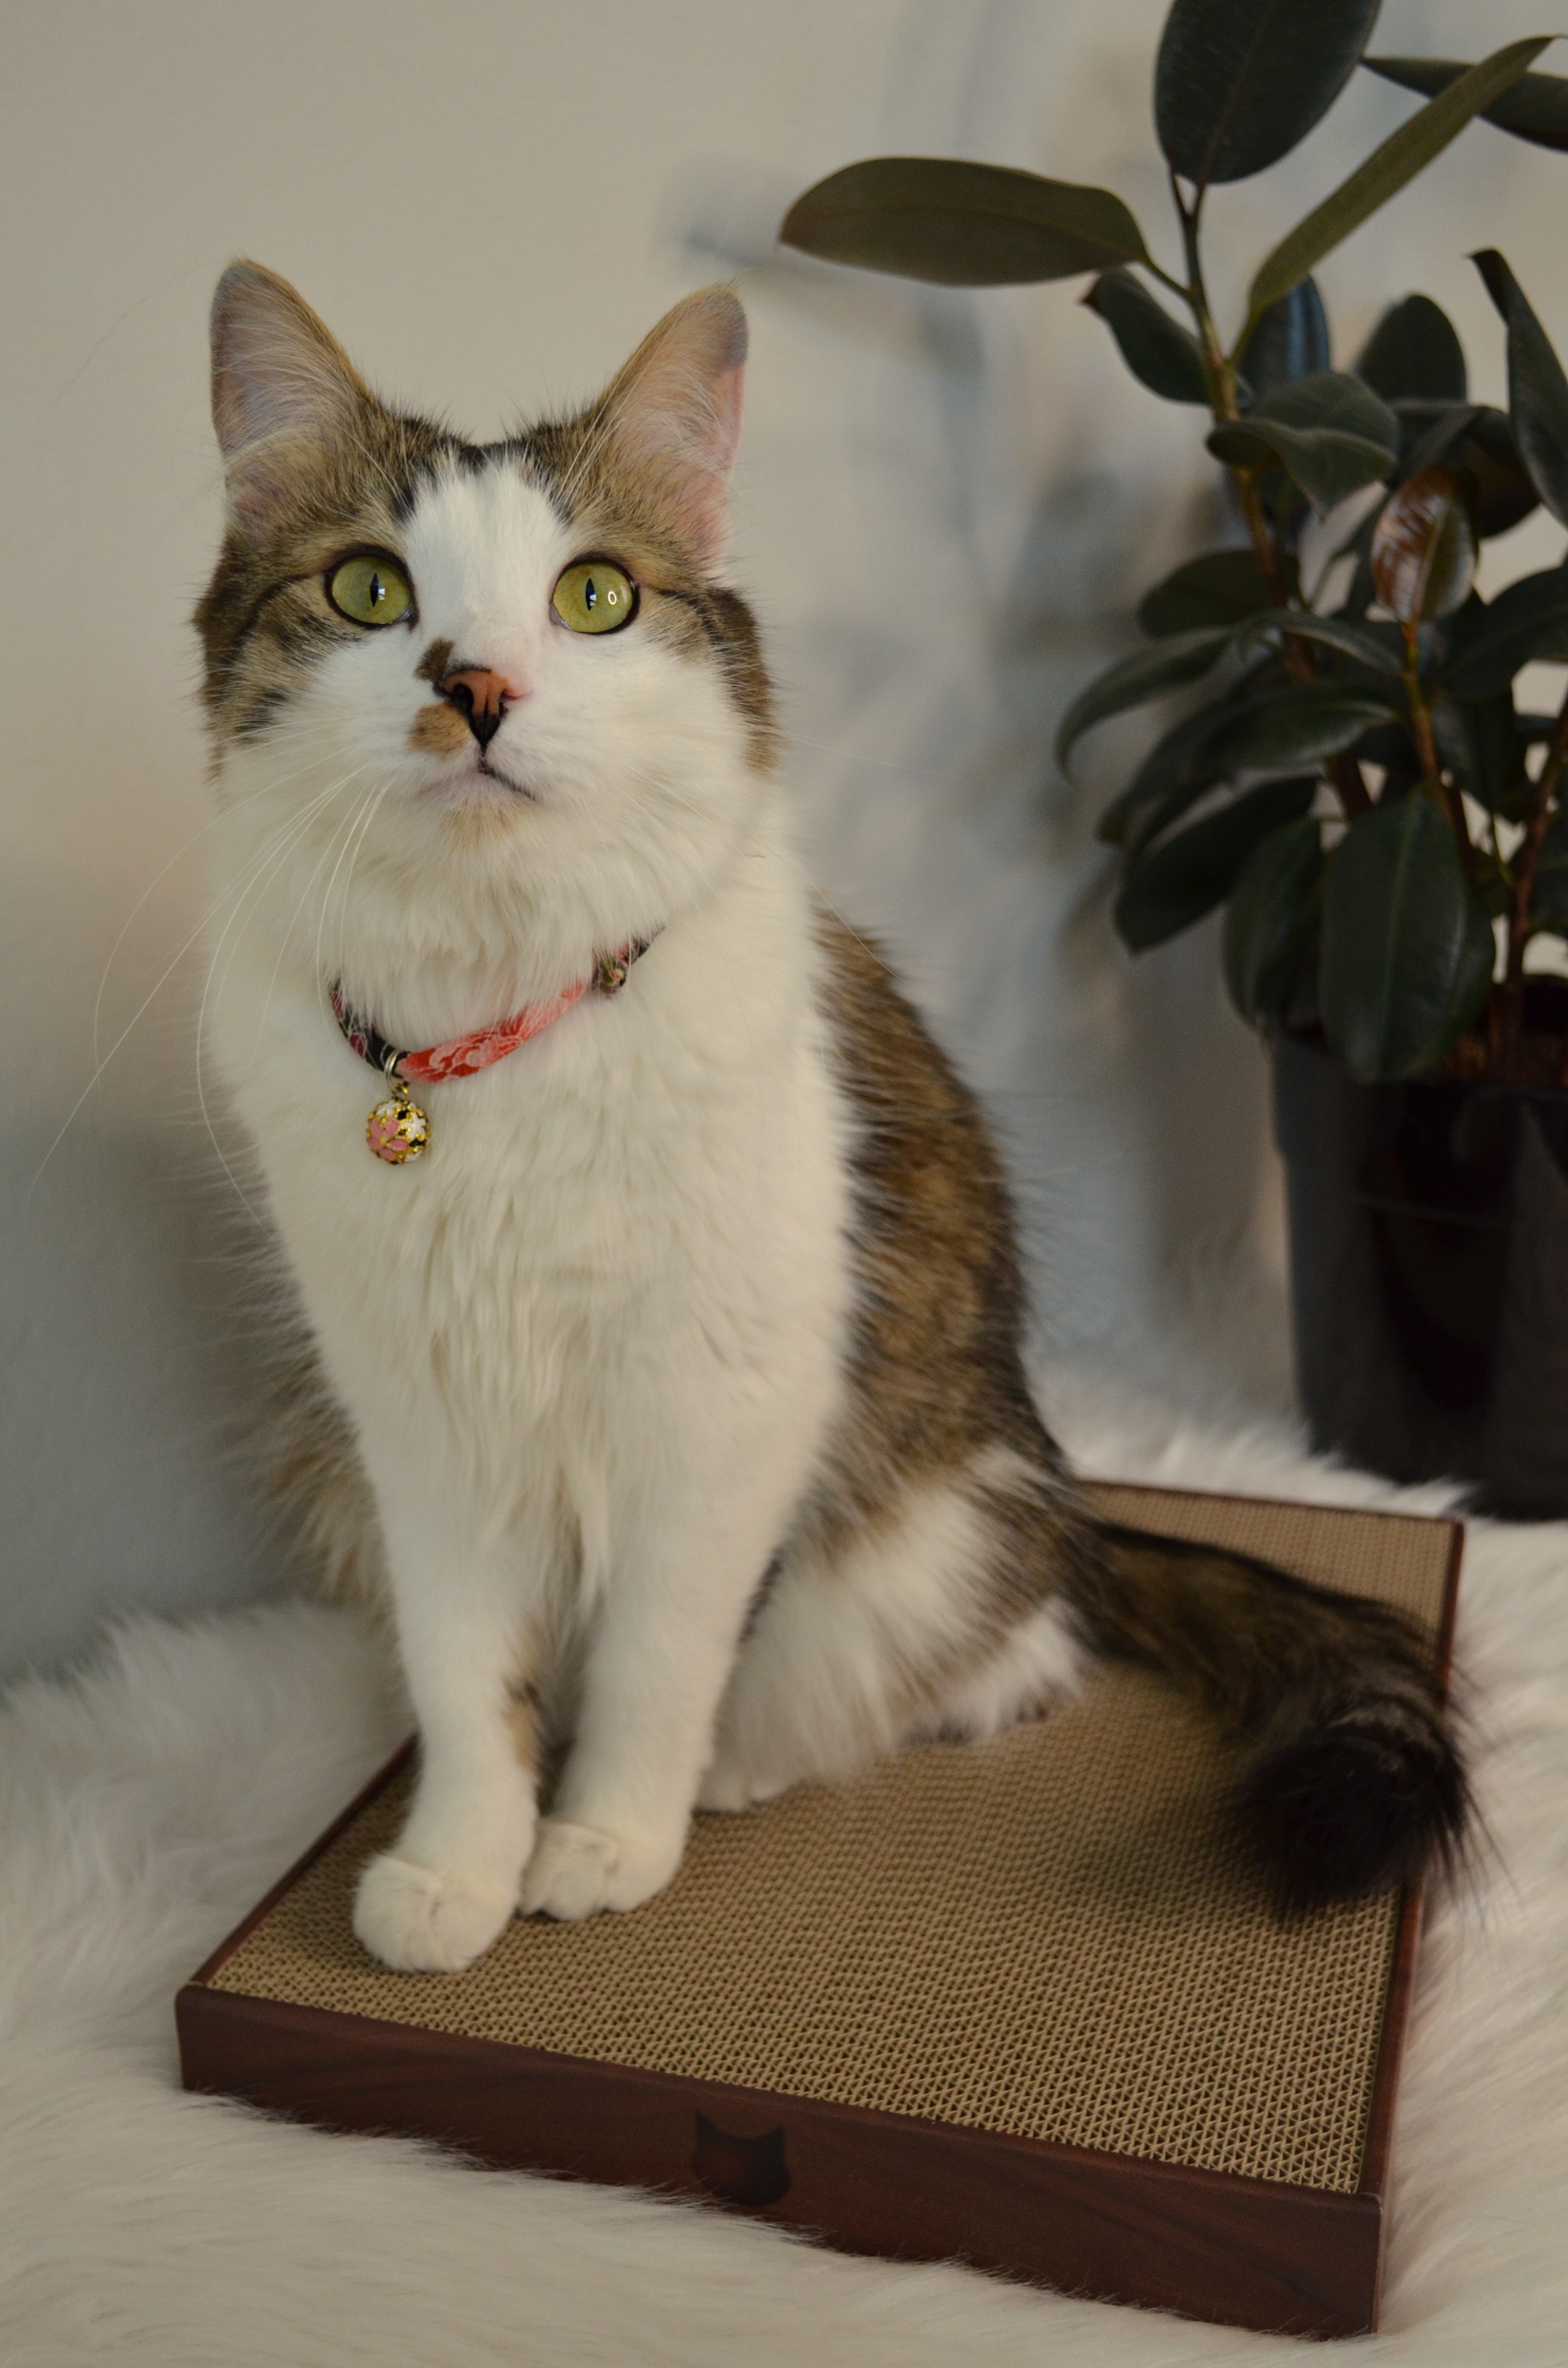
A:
(666, 1351)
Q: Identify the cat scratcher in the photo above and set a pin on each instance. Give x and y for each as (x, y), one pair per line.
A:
(1022, 2004)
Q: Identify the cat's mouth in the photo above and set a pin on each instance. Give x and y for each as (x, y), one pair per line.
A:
(482, 770)
(493, 773)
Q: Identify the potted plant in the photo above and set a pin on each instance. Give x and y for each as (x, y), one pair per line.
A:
(1353, 778)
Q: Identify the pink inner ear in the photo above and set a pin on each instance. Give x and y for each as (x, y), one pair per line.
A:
(677, 407)
(708, 503)
(729, 393)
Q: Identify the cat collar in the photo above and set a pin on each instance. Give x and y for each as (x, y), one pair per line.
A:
(398, 1129)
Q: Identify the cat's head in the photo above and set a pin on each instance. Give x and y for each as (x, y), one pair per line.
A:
(500, 685)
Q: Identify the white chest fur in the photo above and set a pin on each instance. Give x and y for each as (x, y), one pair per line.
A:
(646, 1202)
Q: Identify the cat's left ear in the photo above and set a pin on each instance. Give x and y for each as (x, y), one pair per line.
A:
(675, 413)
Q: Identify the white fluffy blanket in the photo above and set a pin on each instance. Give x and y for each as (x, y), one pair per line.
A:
(146, 1803)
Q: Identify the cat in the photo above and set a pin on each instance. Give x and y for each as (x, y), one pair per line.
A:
(662, 1322)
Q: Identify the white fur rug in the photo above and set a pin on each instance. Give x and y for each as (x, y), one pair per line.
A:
(146, 1803)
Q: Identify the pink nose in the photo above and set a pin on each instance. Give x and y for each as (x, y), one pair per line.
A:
(482, 696)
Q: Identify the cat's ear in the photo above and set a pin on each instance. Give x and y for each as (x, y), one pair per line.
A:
(674, 411)
(279, 381)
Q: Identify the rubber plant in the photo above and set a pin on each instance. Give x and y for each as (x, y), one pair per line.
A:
(1356, 781)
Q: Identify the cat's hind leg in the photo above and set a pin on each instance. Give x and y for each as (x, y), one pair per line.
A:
(943, 1619)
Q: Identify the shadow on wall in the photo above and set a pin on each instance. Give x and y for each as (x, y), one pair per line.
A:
(129, 1351)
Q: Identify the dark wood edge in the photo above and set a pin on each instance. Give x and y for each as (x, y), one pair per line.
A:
(867, 2181)
(1377, 2158)
(1443, 1663)
(1396, 2015)
(318, 1849)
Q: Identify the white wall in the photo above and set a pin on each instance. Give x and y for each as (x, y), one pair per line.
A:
(948, 504)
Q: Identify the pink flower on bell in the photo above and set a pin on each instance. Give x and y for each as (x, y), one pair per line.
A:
(397, 1130)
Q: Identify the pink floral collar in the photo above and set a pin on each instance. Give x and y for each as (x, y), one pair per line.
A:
(398, 1130)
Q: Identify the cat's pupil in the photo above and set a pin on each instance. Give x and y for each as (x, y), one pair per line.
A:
(378, 591)
(590, 593)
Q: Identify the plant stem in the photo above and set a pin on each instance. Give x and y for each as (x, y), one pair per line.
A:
(1421, 714)
(1432, 775)
(1299, 661)
(1167, 279)
(1222, 377)
(1524, 871)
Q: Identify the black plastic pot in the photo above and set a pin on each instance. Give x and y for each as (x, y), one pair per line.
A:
(1430, 1276)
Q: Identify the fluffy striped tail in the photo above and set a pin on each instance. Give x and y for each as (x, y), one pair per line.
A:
(1351, 1779)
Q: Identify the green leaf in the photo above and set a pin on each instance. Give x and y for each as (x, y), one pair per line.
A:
(1298, 725)
(1329, 398)
(1477, 437)
(1177, 770)
(1172, 776)
(1385, 172)
(1537, 391)
(1549, 901)
(1134, 680)
(1157, 350)
(1238, 83)
(1504, 491)
(1407, 950)
(1170, 886)
(1331, 432)
(961, 225)
(1327, 465)
(1271, 919)
(1415, 350)
(1220, 588)
(1487, 645)
(1324, 465)
(1352, 640)
(1290, 341)
(1535, 110)
(1425, 544)
(1484, 745)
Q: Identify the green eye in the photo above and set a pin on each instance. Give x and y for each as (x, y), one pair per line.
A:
(595, 598)
(370, 589)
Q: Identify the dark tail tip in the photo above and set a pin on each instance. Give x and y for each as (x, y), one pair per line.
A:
(1354, 1807)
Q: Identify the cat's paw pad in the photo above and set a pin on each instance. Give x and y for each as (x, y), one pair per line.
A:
(420, 1921)
(576, 1870)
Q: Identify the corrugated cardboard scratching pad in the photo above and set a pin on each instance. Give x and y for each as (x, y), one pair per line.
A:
(1026, 2004)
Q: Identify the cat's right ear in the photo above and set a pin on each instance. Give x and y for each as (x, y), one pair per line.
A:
(280, 379)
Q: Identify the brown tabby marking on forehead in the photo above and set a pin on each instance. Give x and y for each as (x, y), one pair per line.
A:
(936, 1370)
(437, 730)
(265, 619)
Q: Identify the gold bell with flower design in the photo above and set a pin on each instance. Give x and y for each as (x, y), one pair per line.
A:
(398, 1129)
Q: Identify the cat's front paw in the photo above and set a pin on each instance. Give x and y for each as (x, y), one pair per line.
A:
(576, 1870)
(420, 1921)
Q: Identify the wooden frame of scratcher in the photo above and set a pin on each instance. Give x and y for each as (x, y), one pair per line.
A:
(1022, 2005)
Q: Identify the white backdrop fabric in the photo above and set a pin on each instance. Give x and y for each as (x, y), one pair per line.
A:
(148, 1803)
(948, 505)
